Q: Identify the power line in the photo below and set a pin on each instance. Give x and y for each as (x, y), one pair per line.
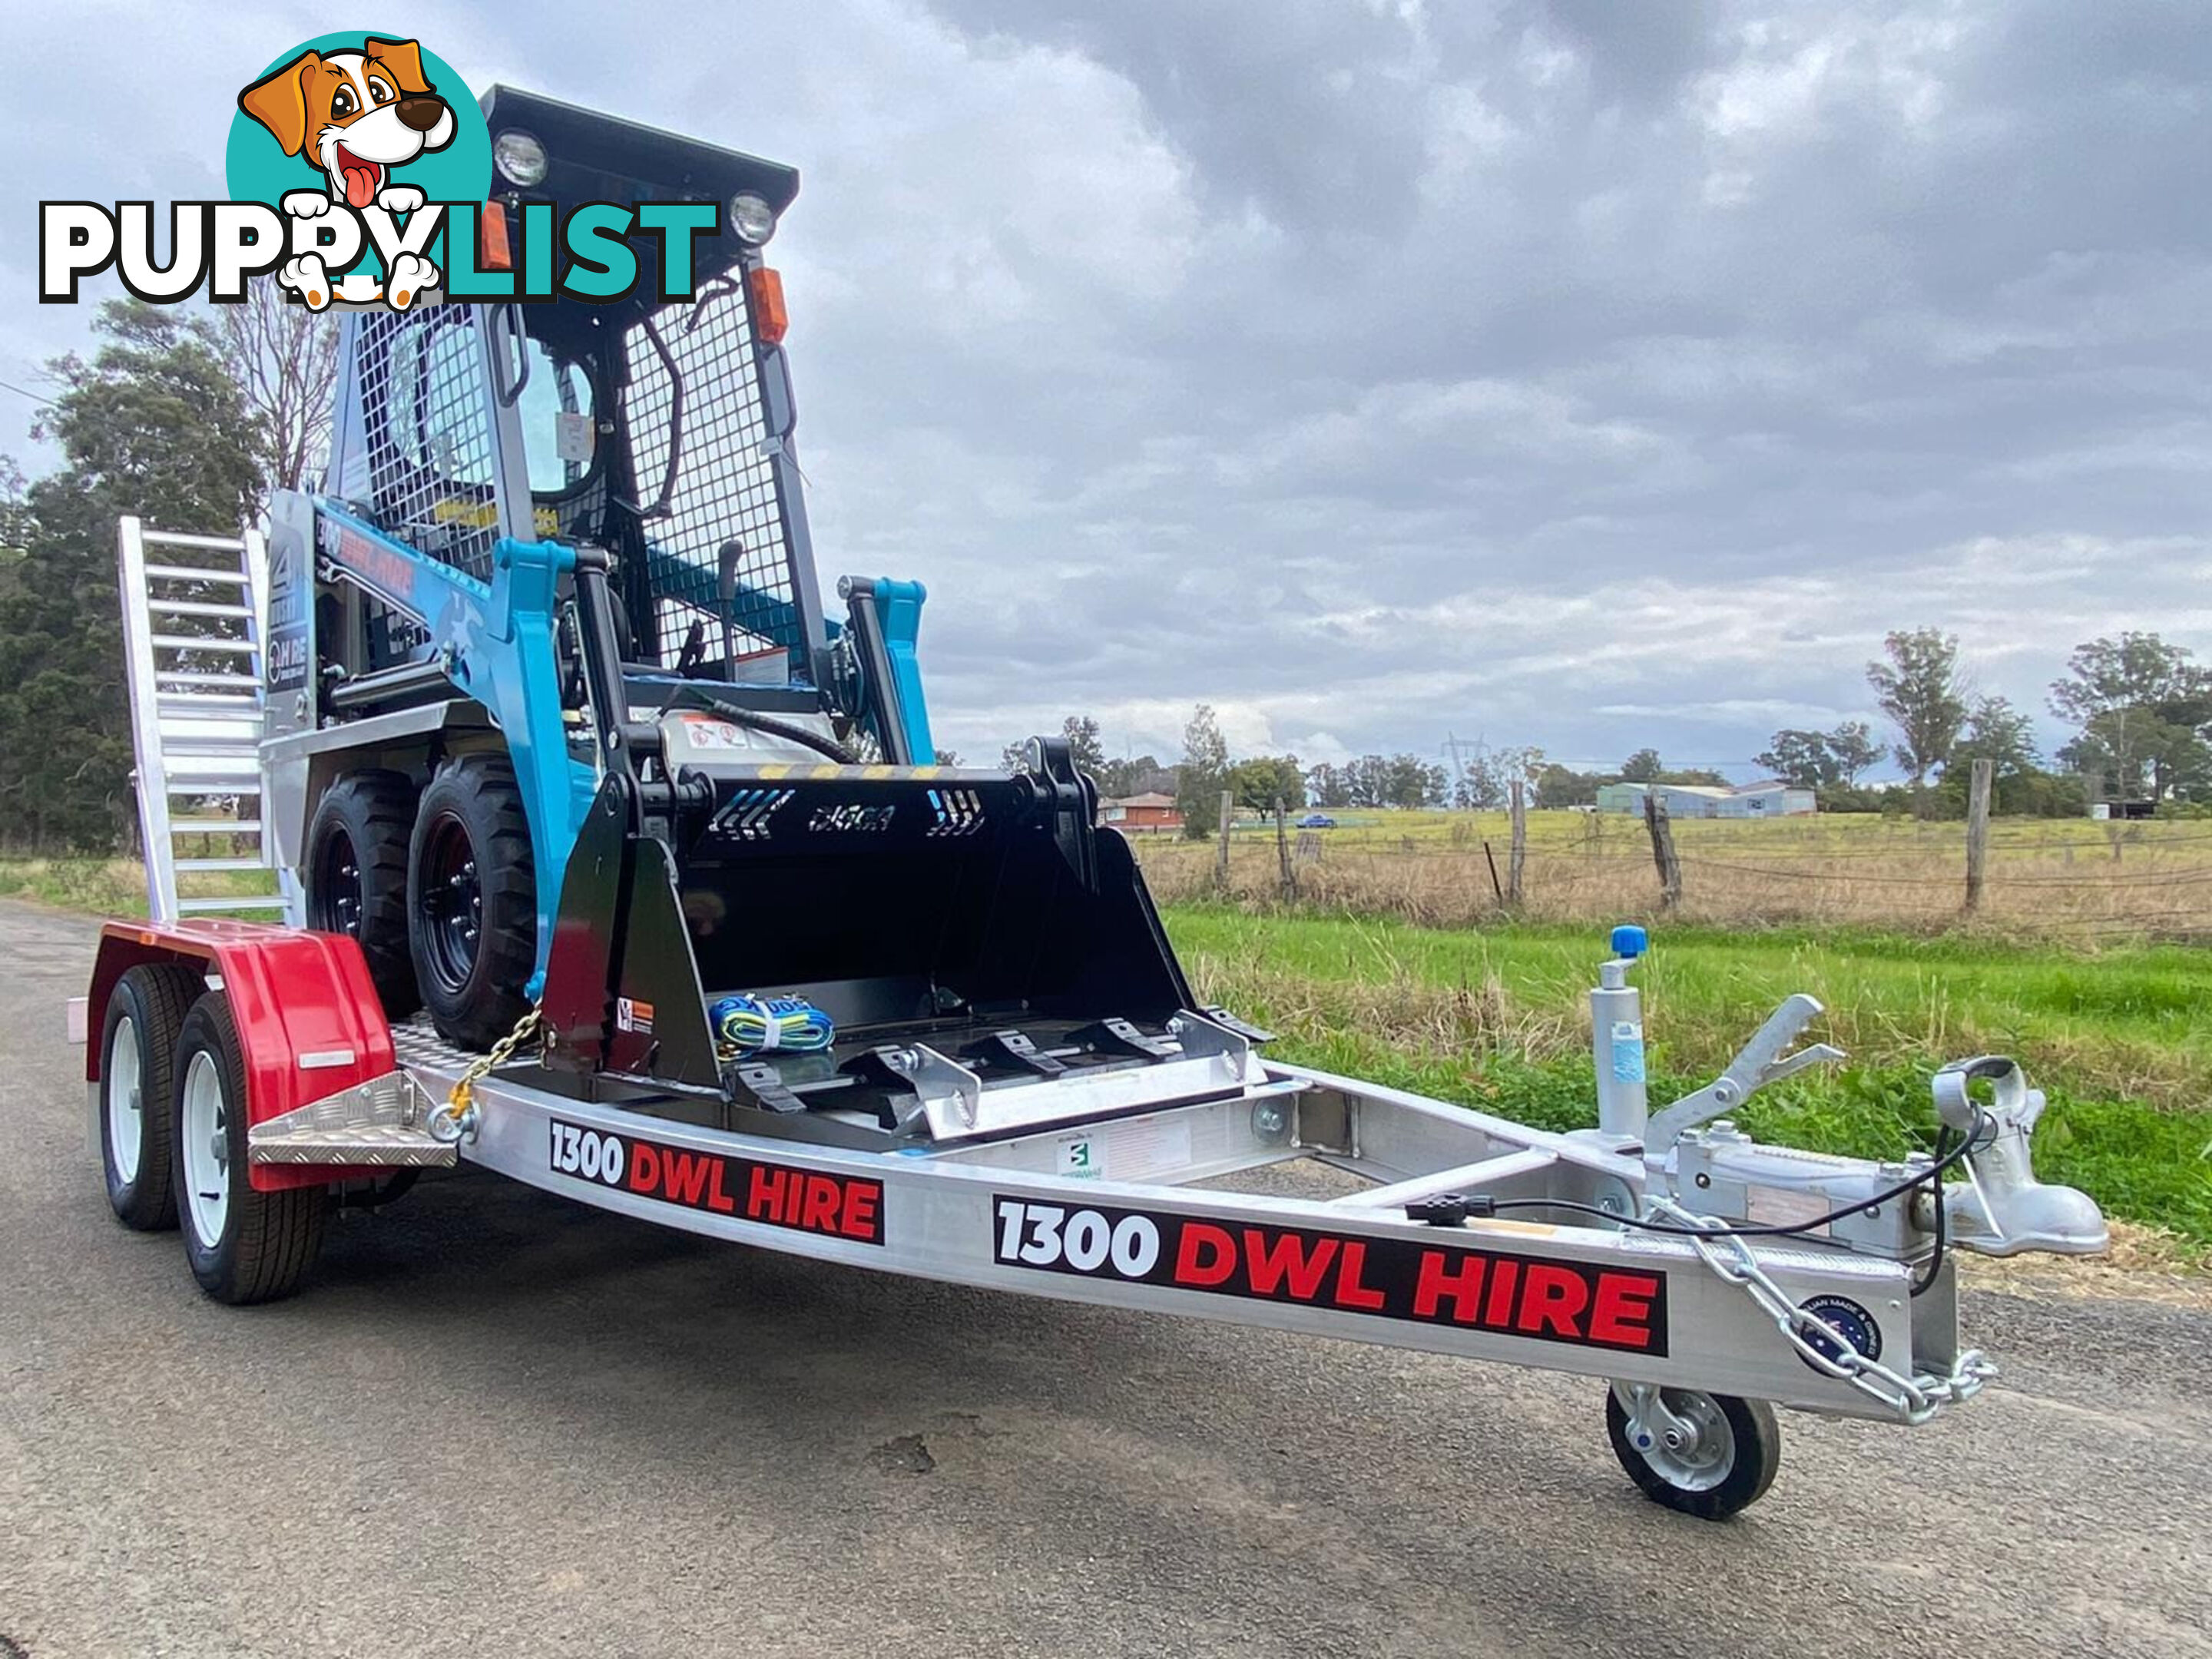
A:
(32, 396)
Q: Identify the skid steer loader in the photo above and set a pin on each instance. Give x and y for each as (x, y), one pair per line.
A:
(556, 710)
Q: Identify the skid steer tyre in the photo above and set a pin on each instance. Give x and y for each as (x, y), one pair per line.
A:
(357, 877)
(244, 1246)
(137, 1048)
(472, 901)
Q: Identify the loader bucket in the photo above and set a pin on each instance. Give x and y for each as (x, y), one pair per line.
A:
(920, 903)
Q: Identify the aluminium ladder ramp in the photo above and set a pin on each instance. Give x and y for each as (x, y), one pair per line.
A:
(195, 625)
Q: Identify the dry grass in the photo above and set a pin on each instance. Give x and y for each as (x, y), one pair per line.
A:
(2075, 881)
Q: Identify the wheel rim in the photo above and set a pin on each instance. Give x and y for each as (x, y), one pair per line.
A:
(1706, 1449)
(451, 902)
(126, 1119)
(206, 1133)
(339, 899)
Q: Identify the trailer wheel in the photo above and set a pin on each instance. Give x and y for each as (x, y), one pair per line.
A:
(357, 877)
(138, 1047)
(244, 1246)
(1710, 1455)
(472, 901)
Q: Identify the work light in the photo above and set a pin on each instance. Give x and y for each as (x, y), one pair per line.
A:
(520, 159)
(752, 218)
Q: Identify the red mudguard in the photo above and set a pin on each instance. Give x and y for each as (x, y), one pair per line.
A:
(307, 1012)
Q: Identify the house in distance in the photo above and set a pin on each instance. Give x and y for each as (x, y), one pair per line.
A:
(1141, 812)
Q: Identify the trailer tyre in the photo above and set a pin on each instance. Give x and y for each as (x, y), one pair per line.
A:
(244, 1246)
(137, 1048)
(1724, 1464)
(472, 901)
(357, 877)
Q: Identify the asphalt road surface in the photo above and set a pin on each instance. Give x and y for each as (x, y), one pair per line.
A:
(497, 1423)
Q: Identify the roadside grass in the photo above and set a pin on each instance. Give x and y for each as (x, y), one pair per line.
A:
(1496, 1018)
(113, 887)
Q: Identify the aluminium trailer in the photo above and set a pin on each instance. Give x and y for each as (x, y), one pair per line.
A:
(1129, 1186)
(535, 710)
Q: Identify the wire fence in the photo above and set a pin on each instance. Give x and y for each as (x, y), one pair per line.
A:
(2086, 882)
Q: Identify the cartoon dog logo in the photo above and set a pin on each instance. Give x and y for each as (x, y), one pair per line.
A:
(357, 116)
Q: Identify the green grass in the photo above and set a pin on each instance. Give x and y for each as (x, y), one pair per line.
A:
(114, 887)
(2122, 1045)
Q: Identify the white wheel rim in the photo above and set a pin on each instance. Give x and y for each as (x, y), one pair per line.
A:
(206, 1133)
(1707, 1454)
(126, 1121)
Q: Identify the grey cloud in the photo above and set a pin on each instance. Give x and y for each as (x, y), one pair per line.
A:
(1580, 373)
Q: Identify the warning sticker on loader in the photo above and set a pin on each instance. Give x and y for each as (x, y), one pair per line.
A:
(745, 1188)
(1494, 1290)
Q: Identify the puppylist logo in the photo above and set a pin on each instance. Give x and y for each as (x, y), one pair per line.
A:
(360, 167)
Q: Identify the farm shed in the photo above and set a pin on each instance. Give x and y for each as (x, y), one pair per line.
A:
(1694, 800)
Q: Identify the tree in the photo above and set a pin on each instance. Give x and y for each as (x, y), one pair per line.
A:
(1082, 748)
(284, 359)
(1821, 760)
(1329, 786)
(945, 757)
(2001, 734)
(1487, 775)
(1118, 780)
(1201, 777)
(153, 426)
(1856, 750)
(1561, 786)
(1918, 689)
(1083, 745)
(1261, 781)
(2143, 706)
(1641, 766)
(1801, 758)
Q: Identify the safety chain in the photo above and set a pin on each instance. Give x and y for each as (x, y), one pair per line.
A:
(1914, 1400)
(457, 1119)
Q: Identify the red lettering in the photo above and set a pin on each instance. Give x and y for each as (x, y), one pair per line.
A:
(683, 1175)
(818, 1214)
(1205, 1255)
(861, 1200)
(1552, 1301)
(1494, 1311)
(1463, 1285)
(644, 1166)
(1271, 1261)
(765, 1196)
(1350, 1291)
(1621, 1317)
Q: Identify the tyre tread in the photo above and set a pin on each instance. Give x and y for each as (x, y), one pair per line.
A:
(379, 805)
(275, 1237)
(164, 992)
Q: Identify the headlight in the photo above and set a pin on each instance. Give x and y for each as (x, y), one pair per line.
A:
(753, 219)
(519, 158)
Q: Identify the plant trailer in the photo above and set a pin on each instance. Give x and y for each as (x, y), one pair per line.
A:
(609, 859)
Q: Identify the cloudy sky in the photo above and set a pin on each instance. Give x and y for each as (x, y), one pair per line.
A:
(1580, 373)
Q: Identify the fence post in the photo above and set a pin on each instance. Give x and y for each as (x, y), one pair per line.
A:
(1519, 853)
(1978, 832)
(1283, 855)
(1221, 857)
(1662, 850)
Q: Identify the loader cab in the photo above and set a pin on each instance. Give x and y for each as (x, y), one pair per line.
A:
(660, 431)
